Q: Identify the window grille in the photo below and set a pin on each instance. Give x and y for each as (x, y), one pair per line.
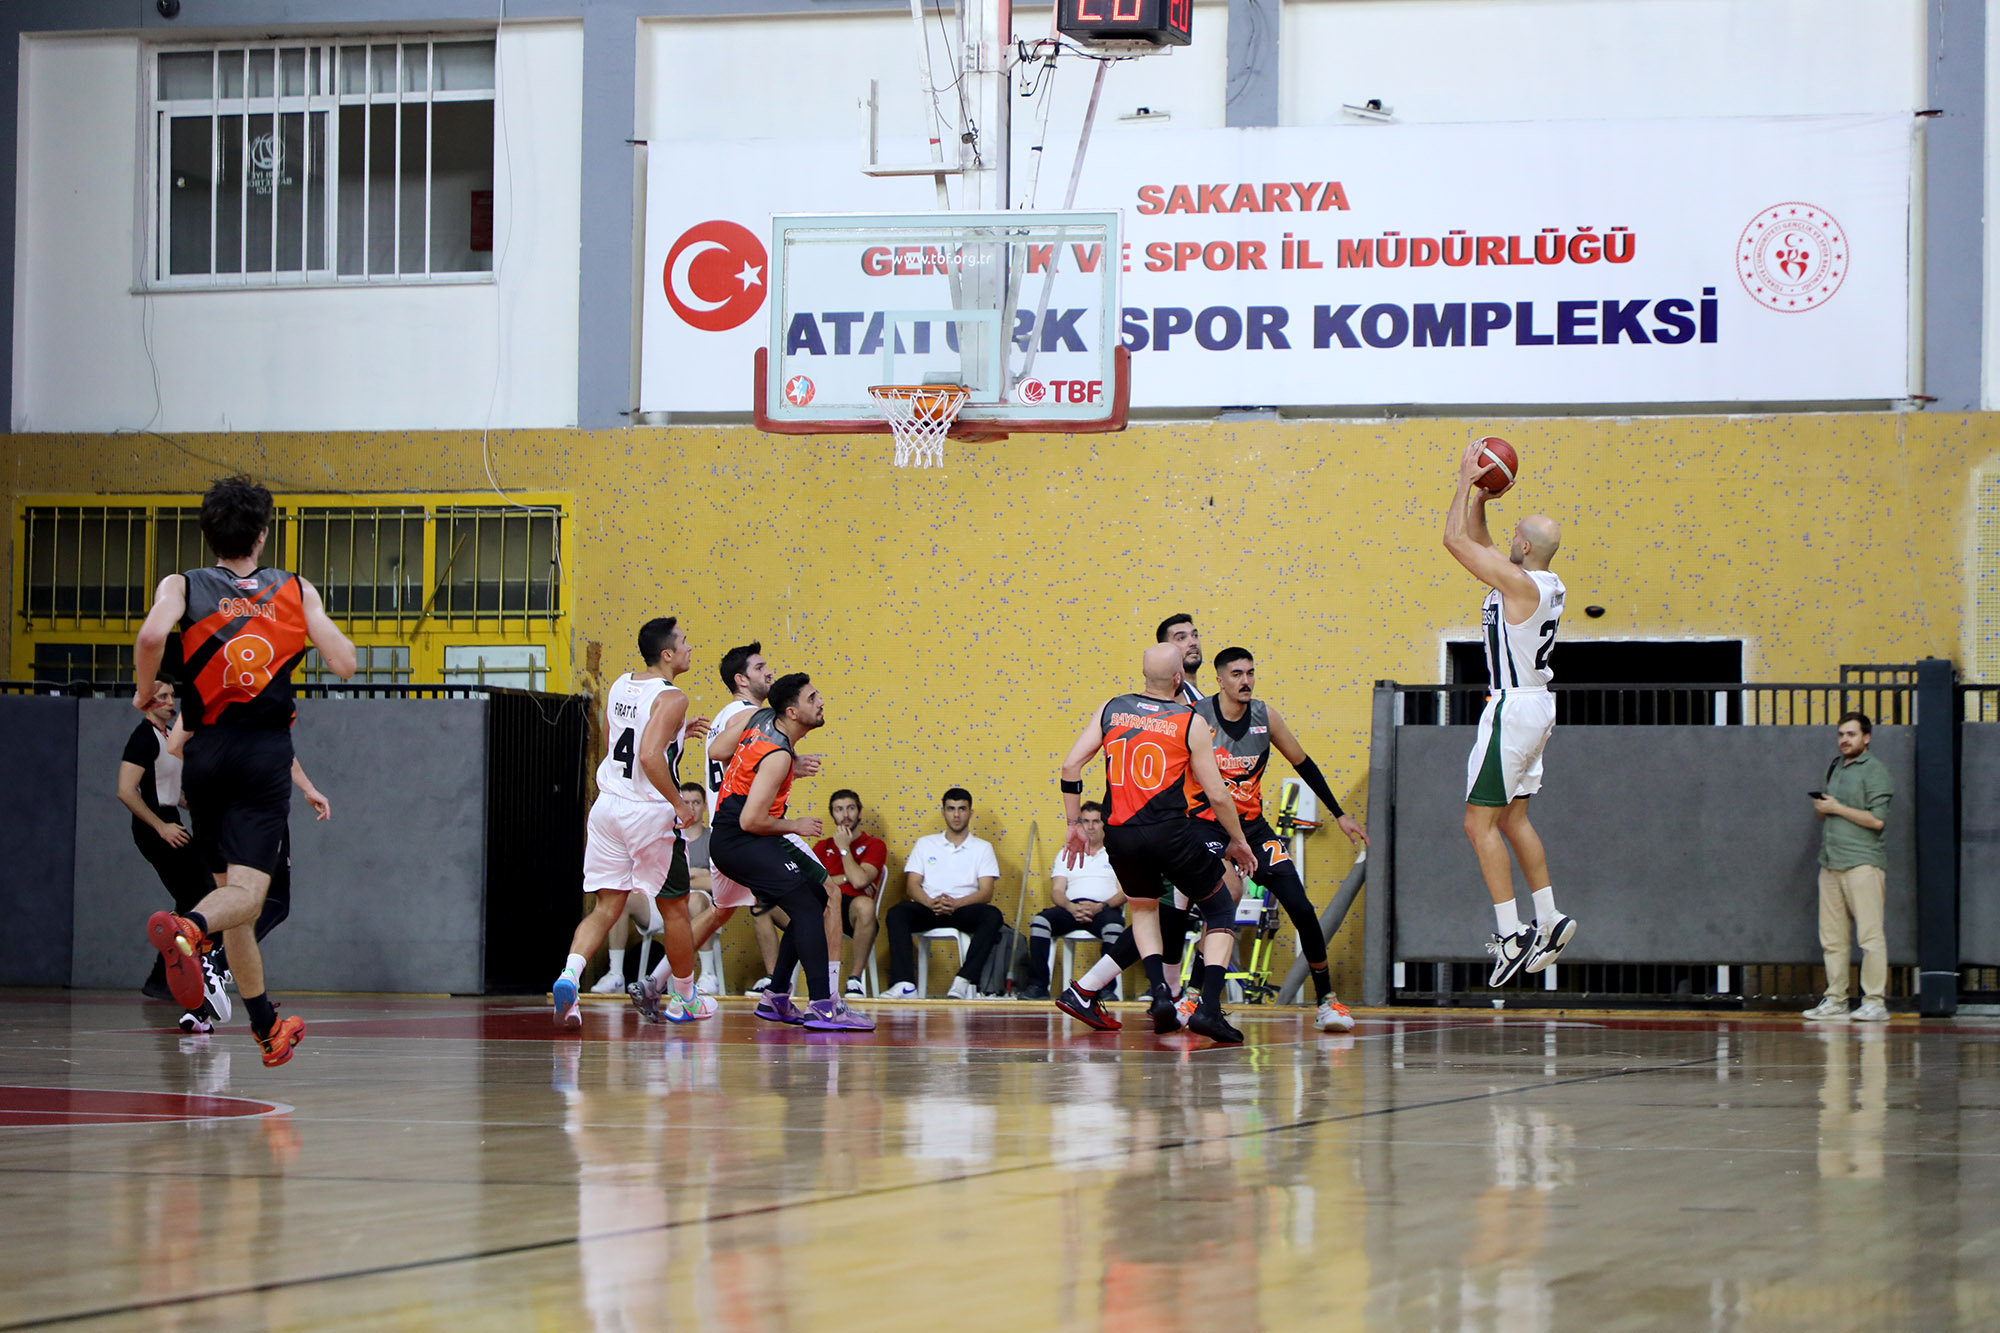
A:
(98, 664)
(323, 162)
(84, 565)
(367, 563)
(497, 562)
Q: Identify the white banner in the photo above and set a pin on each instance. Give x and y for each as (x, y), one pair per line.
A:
(1691, 261)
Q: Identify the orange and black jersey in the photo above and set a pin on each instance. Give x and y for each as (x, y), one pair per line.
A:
(1242, 751)
(1146, 761)
(760, 737)
(241, 635)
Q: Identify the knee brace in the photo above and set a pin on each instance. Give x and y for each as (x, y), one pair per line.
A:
(1218, 910)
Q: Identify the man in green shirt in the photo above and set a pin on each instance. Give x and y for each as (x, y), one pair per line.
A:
(1852, 811)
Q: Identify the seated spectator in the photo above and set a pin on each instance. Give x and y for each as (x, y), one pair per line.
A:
(1086, 898)
(858, 863)
(948, 883)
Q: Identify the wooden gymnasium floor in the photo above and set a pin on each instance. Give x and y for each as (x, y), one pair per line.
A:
(431, 1163)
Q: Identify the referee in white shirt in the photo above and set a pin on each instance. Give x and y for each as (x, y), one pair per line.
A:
(948, 883)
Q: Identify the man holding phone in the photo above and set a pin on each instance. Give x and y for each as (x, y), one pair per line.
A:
(1853, 809)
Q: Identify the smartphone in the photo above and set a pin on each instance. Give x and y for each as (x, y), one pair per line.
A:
(1816, 794)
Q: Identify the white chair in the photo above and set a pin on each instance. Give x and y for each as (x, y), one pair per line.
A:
(1069, 943)
(923, 943)
(711, 955)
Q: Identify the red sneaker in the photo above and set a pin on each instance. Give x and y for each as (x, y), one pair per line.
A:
(285, 1034)
(181, 945)
(1087, 1010)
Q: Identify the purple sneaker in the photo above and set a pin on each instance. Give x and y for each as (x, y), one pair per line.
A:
(833, 1015)
(776, 1007)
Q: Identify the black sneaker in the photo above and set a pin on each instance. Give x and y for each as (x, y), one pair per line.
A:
(1550, 943)
(1032, 992)
(197, 1024)
(1166, 1017)
(1510, 954)
(1215, 1027)
(1088, 1010)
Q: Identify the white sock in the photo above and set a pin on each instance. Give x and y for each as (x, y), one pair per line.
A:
(662, 970)
(1545, 906)
(1508, 917)
(617, 963)
(1102, 973)
(684, 987)
(574, 967)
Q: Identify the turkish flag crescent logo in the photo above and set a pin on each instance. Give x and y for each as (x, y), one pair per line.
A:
(715, 275)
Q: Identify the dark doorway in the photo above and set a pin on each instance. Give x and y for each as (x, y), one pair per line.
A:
(1633, 682)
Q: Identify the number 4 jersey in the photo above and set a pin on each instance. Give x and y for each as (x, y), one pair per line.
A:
(627, 705)
(1146, 761)
(1517, 656)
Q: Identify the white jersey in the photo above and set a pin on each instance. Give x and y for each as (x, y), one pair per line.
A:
(712, 771)
(1517, 656)
(627, 705)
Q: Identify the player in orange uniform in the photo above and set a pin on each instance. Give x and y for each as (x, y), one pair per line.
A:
(757, 846)
(243, 628)
(1159, 763)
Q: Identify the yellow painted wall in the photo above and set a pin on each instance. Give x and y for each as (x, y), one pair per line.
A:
(963, 623)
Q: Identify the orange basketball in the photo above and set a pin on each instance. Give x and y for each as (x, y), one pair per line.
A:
(1502, 464)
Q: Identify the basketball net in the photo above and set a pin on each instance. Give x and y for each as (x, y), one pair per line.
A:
(920, 416)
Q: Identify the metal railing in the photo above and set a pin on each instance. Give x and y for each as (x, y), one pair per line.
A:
(1673, 705)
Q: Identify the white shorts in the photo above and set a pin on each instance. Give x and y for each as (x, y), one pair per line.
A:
(629, 846)
(1506, 760)
(727, 892)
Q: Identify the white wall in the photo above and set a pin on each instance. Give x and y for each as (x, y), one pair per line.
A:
(351, 358)
(1478, 60)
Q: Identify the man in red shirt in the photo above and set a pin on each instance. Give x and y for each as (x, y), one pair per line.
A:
(854, 860)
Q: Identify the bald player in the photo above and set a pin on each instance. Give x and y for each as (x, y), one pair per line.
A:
(1159, 762)
(1518, 623)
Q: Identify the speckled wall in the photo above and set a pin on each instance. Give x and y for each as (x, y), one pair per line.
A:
(963, 623)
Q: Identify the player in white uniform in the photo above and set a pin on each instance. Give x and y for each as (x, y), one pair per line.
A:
(633, 842)
(1519, 619)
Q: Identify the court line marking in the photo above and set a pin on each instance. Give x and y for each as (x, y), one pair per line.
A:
(770, 1209)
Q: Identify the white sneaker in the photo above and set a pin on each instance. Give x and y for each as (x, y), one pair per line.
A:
(1871, 1011)
(961, 989)
(611, 983)
(902, 990)
(855, 989)
(1333, 1016)
(212, 987)
(710, 983)
(1828, 1010)
(1550, 940)
(759, 986)
(1509, 953)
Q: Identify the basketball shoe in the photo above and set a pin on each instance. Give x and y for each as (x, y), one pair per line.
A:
(609, 984)
(563, 993)
(1215, 1027)
(1509, 953)
(1549, 943)
(680, 1009)
(777, 1007)
(278, 1042)
(180, 941)
(1087, 1009)
(195, 1023)
(646, 1000)
(833, 1015)
(212, 988)
(1185, 1006)
(1164, 1012)
(1333, 1016)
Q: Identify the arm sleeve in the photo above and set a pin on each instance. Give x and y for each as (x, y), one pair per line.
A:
(1880, 792)
(1309, 773)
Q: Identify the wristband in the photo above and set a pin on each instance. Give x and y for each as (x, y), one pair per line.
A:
(1070, 788)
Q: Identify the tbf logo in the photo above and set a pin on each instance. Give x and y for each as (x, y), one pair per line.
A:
(714, 276)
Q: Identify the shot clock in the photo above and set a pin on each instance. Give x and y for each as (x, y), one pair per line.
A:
(1157, 22)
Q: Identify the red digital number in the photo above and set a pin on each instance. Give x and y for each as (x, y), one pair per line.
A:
(1178, 14)
(1088, 12)
(1125, 11)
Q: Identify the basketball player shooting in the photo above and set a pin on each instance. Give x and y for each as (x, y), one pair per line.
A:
(1518, 625)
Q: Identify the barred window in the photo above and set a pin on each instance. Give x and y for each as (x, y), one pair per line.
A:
(495, 561)
(85, 564)
(323, 161)
(103, 665)
(367, 563)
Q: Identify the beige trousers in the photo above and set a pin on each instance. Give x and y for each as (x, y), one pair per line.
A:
(1856, 893)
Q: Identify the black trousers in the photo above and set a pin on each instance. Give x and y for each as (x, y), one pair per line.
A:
(906, 920)
(1052, 923)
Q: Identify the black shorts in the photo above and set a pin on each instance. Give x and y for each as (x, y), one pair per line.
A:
(772, 868)
(847, 910)
(239, 794)
(1187, 852)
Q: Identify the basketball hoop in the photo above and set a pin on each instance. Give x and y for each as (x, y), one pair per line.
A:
(920, 416)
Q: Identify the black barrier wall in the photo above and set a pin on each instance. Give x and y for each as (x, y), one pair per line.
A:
(38, 835)
(386, 896)
(1979, 845)
(1668, 844)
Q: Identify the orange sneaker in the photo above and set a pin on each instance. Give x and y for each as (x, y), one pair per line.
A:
(181, 945)
(285, 1034)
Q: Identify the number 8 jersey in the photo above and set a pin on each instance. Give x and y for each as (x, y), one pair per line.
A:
(627, 705)
(1146, 760)
(241, 635)
(1517, 656)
